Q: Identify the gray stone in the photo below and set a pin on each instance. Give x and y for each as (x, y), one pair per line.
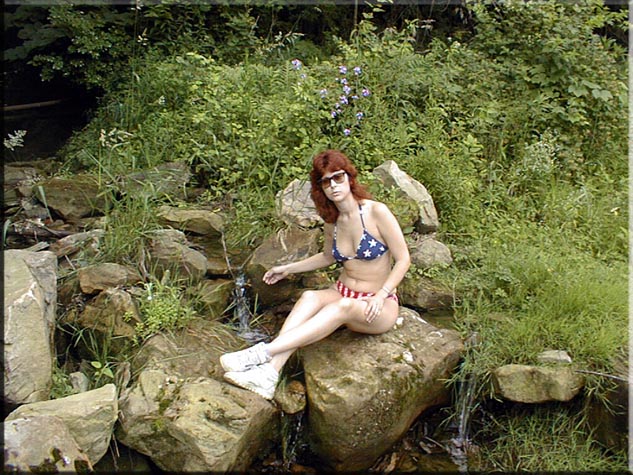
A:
(113, 313)
(295, 205)
(69, 245)
(89, 416)
(391, 175)
(364, 391)
(554, 356)
(424, 293)
(195, 425)
(427, 252)
(30, 299)
(79, 381)
(169, 251)
(99, 277)
(199, 221)
(536, 384)
(72, 198)
(288, 245)
(42, 444)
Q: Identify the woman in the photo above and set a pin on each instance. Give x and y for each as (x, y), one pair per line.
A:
(361, 234)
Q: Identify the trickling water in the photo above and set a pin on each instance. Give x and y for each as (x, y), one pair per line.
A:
(242, 312)
(292, 429)
(241, 309)
(465, 406)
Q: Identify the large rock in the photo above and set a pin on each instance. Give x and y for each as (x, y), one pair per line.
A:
(114, 314)
(30, 299)
(88, 241)
(199, 221)
(179, 415)
(72, 198)
(424, 293)
(103, 276)
(536, 384)
(169, 250)
(42, 444)
(89, 416)
(428, 252)
(195, 425)
(391, 175)
(365, 391)
(288, 245)
(295, 205)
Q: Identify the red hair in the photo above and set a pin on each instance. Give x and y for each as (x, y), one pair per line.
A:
(331, 161)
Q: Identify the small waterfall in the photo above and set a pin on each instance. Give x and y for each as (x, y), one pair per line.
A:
(461, 442)
(242, 312)
(465, 406)
(292, 425)
(241, 303)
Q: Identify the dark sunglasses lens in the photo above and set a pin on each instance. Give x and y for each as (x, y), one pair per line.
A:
(339, 178)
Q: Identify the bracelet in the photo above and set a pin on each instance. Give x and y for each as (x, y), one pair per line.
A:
(386, 290)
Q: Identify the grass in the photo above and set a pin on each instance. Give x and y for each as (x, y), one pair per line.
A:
(533, 438)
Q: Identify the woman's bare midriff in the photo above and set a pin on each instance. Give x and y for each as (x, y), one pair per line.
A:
(366, 276)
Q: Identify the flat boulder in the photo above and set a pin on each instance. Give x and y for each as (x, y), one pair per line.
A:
(537, 384)
(89, 417)
(72, 198)
(42, 444)
(364, 391)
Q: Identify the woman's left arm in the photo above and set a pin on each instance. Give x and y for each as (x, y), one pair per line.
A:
(390, 230)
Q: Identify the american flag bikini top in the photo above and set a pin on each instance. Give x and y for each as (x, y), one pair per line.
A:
(368, 248)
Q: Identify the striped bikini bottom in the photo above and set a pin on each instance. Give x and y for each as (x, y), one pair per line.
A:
(347, 292)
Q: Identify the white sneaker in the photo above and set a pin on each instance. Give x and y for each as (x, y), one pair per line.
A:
(260, 379)
(245, 359)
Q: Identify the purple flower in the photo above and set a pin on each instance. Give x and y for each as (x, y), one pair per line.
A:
(347, 89)
(359, 115)
(296, 64)
(337, 105)
(347, 132)
(342, 70)
(343, 99)
(323, 93)
(333, 114)
(343, 81)
(366, 92)
(355, 97)
(357, 71)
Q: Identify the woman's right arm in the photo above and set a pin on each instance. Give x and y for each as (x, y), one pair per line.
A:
(317, 261)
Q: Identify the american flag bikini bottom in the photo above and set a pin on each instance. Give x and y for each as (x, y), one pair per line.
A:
(347, 292)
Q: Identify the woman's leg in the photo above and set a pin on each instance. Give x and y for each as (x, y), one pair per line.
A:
(344, 311)
(307, 307)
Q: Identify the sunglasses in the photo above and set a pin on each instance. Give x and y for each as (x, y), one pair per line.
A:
(338, 178)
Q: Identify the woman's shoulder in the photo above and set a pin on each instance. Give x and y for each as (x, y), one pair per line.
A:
(376, 208)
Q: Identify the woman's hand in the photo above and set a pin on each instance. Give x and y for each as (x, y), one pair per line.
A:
(374, 307)
(275, 274)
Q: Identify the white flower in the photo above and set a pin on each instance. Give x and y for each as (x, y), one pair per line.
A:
(16, 139)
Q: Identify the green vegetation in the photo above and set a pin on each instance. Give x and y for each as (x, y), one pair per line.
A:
(514, 123)
(163, 308)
